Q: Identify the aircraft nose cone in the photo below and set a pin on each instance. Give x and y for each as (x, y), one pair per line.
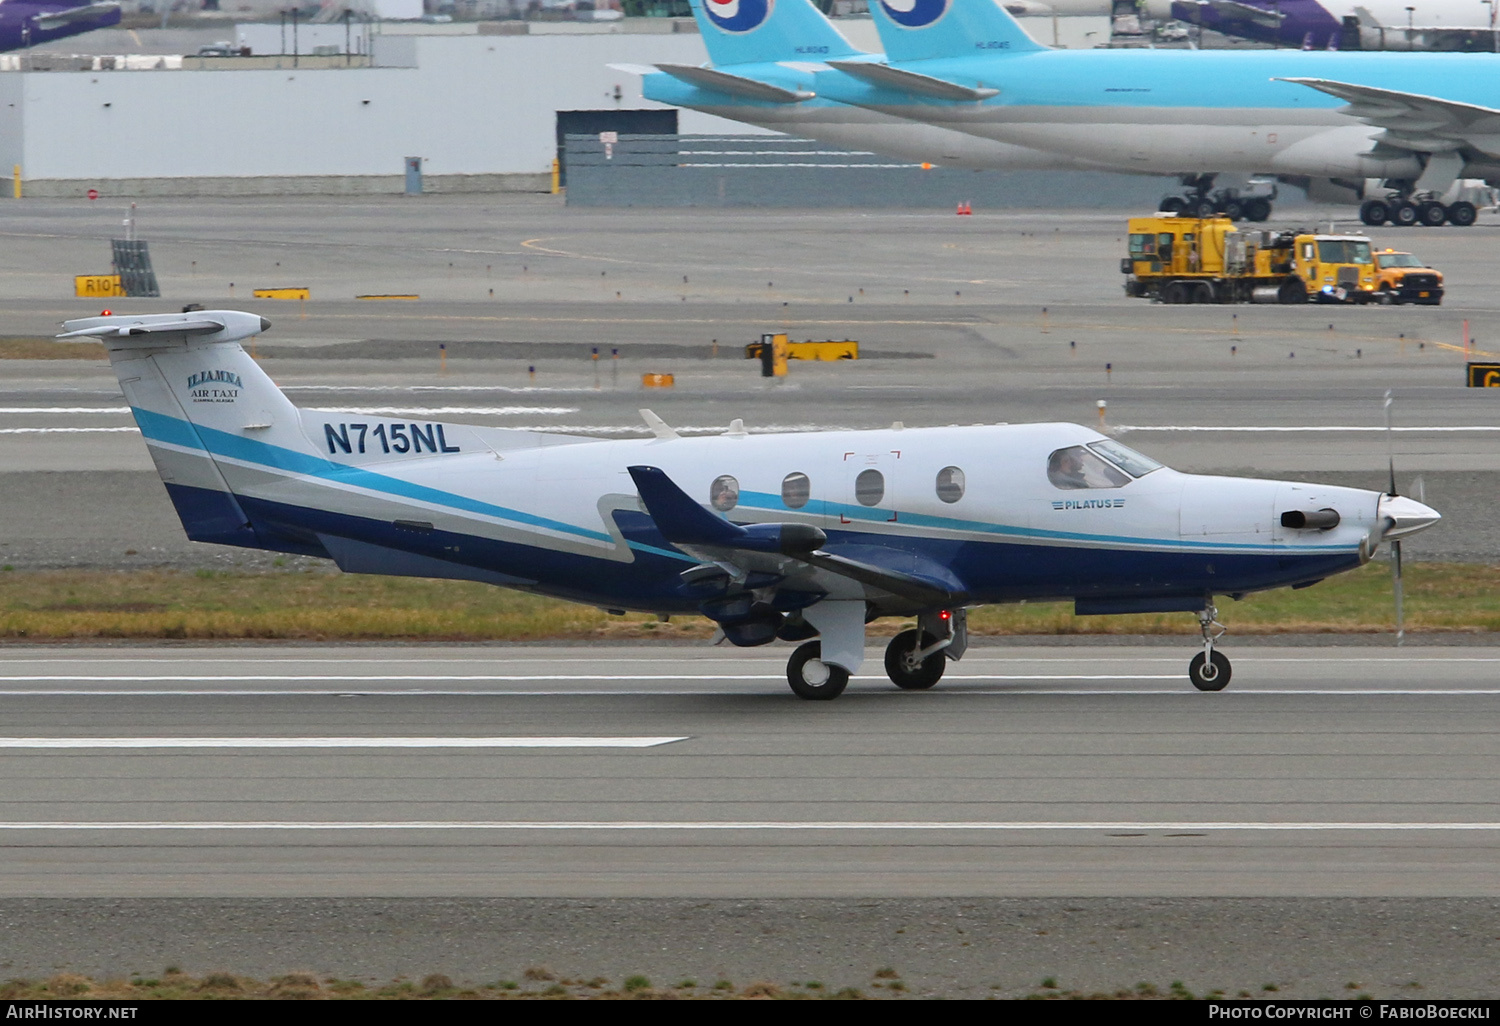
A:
(265, 325)
(1403, 516)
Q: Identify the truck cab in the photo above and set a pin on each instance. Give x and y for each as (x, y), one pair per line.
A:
(1336, 268)
(1402, 278)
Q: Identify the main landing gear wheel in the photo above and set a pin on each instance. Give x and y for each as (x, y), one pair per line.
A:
(905, 670)
(1462, 213)
(1374, 212)
(1404, 214)
(1432, 214)
(1257, 210)
(812, 678)
(1209, 673)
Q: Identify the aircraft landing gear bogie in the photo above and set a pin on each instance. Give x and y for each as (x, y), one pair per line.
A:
(813, 679)
(907, 665)
(1210, 670)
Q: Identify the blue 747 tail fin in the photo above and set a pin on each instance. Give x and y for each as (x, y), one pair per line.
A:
(765, 31)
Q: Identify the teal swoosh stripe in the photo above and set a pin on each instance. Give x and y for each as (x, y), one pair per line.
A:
(772, 504)
(221, 443)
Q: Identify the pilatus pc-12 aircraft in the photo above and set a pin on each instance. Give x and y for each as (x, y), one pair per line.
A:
(803, 538)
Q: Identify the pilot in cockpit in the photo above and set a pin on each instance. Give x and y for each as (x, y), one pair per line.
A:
(1078, 467)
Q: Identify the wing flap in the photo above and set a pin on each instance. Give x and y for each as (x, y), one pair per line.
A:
(1412, 121)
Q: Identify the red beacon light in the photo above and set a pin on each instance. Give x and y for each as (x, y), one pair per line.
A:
(105, 313)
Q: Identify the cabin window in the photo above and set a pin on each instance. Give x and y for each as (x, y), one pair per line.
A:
(1343, 251)
(724, 493)
(869, 487)
(1077, 467)
(1142, 246)
(795, 490)
(950, 484)
(1127, 459)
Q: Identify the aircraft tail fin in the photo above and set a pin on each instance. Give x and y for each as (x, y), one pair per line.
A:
(917, 30)
(765, 31)
(202, 404)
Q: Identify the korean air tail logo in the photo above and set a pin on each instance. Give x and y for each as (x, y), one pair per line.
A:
(739, 15)
(914, 13)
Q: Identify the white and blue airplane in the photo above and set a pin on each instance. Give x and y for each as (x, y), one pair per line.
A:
(747, 41)
(1420, 122)
(804, 538)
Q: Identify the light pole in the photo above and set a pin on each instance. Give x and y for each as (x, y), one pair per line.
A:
(1494, 34)
(1410, 38)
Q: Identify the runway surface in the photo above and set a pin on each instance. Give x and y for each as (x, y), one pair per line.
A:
(670, 772)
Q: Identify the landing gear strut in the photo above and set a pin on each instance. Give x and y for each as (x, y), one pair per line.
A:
(1209, 670)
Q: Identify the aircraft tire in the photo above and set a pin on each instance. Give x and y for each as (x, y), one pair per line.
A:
(1374, 212)
(1462, 213)
(1202, 208)
(1171, 205)
(1234, 210)
(925, 675)
(1209, 676)
(813, 679)
(1258, 210)
(1432, 214)
(1404, 214)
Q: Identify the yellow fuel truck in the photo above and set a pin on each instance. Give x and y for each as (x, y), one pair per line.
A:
(1209, 260)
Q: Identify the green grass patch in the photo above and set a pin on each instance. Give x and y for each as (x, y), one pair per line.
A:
(326, 606)
(38, 347)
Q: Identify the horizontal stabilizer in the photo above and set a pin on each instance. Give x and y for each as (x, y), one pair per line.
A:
(911, 82)
(158, 329)
(734, 85)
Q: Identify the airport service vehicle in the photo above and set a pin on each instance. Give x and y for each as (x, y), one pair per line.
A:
(1208, 260)
(26, 23)
(1402, 278)
(799, 537)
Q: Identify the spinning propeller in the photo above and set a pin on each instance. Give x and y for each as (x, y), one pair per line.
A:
(1400, 516)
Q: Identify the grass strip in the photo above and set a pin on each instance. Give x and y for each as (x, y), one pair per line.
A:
(37, 347)
(329, 606)
(537, 982)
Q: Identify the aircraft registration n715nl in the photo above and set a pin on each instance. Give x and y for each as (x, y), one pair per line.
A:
(803, 538)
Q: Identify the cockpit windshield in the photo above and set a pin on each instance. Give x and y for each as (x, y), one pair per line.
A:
(1077, 467)
(1127, 459)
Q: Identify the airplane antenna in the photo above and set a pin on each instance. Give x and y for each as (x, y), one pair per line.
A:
(658, 427)
(1396, 588)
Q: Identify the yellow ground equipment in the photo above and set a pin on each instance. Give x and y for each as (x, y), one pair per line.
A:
(1402, 278)
(1208, 260)
(828, 349)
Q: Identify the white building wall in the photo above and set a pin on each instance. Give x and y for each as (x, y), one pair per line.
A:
(472, 105)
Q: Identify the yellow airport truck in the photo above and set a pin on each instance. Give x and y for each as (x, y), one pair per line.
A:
(1208, 260)
(1402, 278)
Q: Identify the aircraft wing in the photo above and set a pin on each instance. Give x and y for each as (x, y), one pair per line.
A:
(694, 529)
(734, 85)
(911, 82)
(72, 15)
(1422, 124)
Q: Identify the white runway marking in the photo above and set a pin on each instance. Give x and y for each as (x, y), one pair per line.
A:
(336, 742)
(433, 411)
(1305, 428)
(64, 409)
(756, 826)
(523, 678)
(67, 430)
(1013, 692)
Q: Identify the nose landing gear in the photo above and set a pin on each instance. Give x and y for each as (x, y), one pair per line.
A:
(1209, 670)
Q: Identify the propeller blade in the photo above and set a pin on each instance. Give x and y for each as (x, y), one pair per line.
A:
(1419, 489)
(1396, 589)
(1390, 443)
